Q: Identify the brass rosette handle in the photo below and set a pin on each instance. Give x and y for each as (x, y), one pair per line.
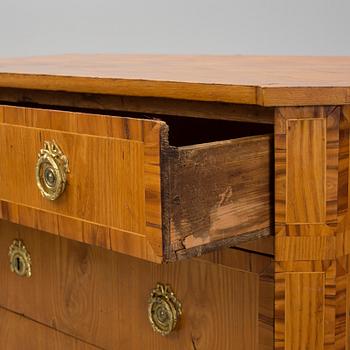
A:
(20, 260)
(164, 309)
(51, 171)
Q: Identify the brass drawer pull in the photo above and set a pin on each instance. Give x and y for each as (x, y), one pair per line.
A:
(164, 309)
(20, 260)
(51, 171)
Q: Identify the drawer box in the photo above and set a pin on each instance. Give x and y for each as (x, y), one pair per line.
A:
(129, 190)
(101, 297)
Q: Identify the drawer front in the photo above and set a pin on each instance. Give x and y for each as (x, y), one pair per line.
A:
(18, 333)
(102, 297)
(112, 197)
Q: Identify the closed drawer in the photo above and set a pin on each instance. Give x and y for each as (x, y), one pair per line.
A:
(102, 297)
(18, 333)
(128, 190)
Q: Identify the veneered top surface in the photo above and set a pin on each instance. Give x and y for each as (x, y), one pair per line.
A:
(263, 80)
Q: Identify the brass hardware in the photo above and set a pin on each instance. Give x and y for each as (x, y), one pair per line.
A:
(164, 309)
(51, 171)
(20, 261)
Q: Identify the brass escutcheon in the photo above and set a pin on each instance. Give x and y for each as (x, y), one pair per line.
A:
(51, 171)
(20, 260)
(164, 309)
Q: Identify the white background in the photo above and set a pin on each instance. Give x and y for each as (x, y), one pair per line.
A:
(317, 27)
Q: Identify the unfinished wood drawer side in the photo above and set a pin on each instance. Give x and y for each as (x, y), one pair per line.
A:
(220, 194)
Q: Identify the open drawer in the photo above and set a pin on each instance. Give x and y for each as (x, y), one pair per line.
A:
(116, 182)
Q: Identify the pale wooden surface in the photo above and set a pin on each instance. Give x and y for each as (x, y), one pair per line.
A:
(312, 246)
(263, 266)
(20, 333)
(269, 81)
(113, 193)
(264, 245)
(101, 297)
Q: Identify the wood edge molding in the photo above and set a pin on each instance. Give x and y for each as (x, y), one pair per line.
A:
(266, 96)
(132, 87)
(137, 104)
(279, 96)
(167, 153)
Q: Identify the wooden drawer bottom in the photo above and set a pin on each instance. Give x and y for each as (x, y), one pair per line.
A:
(101, 297)
(20, 333)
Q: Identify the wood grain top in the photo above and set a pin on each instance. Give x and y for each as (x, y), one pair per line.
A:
(262, 80)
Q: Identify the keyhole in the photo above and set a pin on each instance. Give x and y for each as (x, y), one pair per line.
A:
(18, 264)
(20, 261)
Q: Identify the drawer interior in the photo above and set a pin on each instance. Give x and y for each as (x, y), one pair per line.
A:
(191, 131)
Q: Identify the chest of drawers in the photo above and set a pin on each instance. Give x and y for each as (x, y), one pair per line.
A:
(173, 202)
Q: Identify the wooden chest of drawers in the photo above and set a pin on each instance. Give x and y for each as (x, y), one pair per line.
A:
(151, 202)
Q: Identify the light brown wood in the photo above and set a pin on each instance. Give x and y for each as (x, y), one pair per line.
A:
(312, 228)
(261, 265)
(208, 187)
(305, 248)
(267, 81)
(265, 245)
(18, 333)
(102, 297)
(113, 194)
(305, 327)
(306, 171)
(131, 192)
